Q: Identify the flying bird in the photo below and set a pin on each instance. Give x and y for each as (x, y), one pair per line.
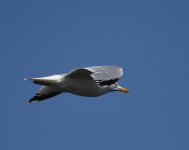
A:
(91, 81)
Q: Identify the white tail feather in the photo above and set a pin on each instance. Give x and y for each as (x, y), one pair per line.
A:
(50, 80)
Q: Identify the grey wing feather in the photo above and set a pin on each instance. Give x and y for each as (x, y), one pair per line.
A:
(80, 73)
(45, 92)
(106, 75)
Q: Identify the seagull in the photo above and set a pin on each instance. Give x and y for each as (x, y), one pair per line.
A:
(91, 81)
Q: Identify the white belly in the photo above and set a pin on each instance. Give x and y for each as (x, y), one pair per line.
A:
(85, 88)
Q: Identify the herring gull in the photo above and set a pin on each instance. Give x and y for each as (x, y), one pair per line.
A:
(91, 81)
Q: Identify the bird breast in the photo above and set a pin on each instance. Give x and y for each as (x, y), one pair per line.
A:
(84, 88)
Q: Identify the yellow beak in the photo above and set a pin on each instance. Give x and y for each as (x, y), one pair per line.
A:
(125, 90)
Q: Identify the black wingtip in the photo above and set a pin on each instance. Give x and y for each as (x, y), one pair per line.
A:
(30, 101)
(33, 100)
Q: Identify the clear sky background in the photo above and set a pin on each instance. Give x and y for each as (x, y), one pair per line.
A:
(148, 39)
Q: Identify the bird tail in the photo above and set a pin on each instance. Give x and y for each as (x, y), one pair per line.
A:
(50, 80)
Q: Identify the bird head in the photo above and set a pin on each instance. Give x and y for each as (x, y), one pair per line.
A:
(117, 87)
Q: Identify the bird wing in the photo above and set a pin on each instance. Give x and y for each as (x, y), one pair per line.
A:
(105, 75)
(102, 75)
(80, 73)
(45, 92)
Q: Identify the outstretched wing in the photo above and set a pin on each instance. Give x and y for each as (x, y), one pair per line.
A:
(105, 75)
(80, 73)
(45, 92)
(102, 75)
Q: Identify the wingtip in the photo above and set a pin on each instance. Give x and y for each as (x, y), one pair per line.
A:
(32, 101)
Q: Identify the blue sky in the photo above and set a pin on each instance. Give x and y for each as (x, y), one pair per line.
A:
(148, 39)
